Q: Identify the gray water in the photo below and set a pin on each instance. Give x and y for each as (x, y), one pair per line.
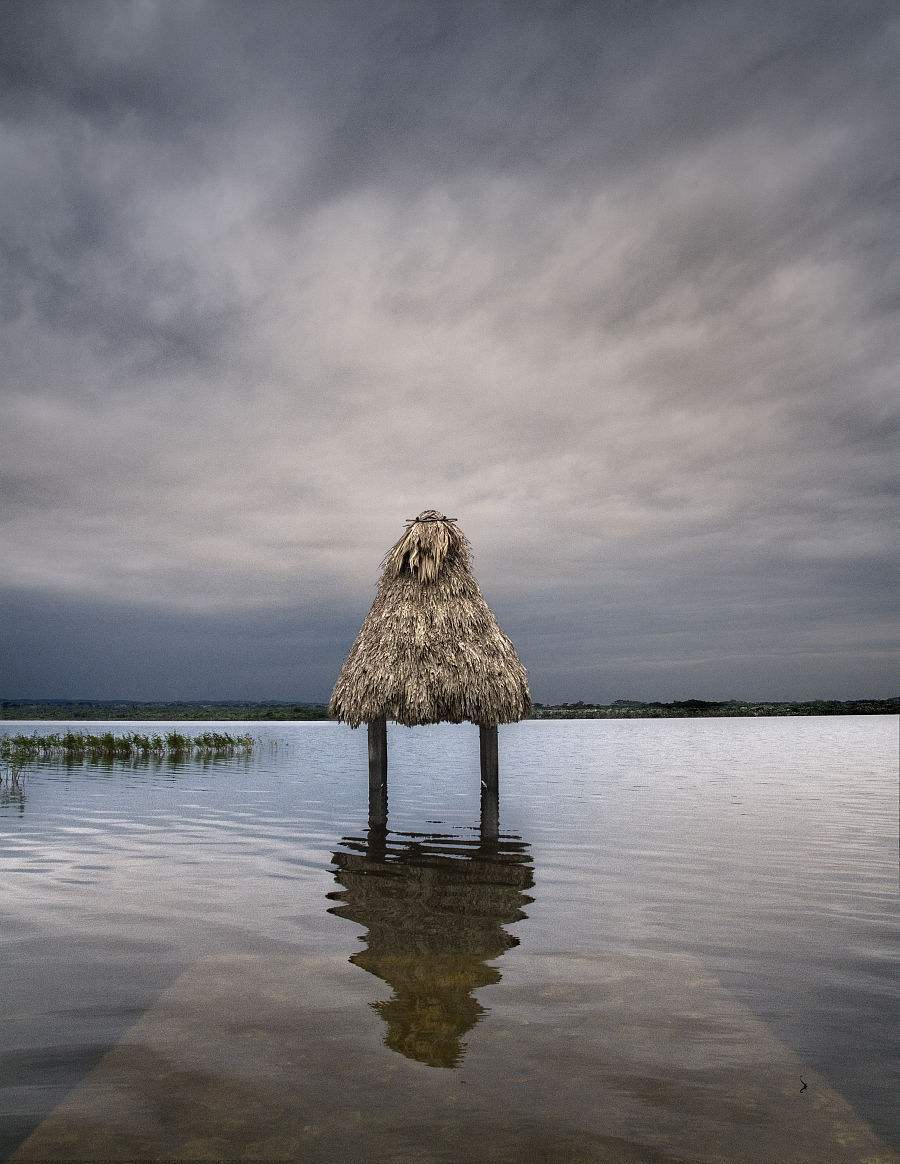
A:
(757, 855)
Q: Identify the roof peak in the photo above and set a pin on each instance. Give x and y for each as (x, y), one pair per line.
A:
(428, 515)
(426, 544)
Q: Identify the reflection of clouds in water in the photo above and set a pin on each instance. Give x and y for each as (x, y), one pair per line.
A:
(434, 906)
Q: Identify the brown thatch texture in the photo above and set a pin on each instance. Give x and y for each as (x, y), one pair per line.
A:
(430, 649)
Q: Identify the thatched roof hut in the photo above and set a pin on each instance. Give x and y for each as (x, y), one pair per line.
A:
(430, 649)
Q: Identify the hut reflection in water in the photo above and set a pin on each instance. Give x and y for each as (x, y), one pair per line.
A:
(435, 906)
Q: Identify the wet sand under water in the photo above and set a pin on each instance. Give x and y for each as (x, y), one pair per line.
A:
(626, 1059)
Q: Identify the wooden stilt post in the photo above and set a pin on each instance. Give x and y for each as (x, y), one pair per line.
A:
(378, 772)
(490, 781)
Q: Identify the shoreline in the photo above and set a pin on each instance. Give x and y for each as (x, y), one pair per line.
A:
(101, 711)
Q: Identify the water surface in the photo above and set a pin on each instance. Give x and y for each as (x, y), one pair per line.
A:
(677, 919)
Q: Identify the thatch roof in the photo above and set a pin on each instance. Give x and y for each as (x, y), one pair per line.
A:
(430, 649)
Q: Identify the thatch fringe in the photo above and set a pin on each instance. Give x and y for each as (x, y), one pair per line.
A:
(430, 649)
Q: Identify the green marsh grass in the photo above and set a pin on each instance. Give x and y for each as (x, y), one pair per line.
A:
(17, 751)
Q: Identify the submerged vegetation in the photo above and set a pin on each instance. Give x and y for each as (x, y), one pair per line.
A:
(18, 750)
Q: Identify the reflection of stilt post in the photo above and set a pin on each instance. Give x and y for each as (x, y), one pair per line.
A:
(376, 839)
(490, 782)
(378, 771)
(378, 809)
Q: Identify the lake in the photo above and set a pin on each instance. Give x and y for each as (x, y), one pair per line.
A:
(681, 946)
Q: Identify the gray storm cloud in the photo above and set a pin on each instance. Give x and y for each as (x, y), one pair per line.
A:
(615, 285)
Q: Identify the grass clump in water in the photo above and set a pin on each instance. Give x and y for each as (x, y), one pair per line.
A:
(19, 750)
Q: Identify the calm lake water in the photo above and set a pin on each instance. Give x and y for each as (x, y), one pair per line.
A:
(681, 922)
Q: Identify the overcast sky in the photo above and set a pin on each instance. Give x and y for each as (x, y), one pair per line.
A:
(615, 284)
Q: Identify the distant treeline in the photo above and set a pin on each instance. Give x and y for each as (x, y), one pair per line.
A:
(94, 709)
(103, 709)
(690, 708)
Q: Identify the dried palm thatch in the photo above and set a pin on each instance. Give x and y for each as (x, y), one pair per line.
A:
(430, 649)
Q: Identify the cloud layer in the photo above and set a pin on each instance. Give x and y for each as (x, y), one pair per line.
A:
(615, 285)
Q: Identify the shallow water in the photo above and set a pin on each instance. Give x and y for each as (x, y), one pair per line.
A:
(664, 895)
